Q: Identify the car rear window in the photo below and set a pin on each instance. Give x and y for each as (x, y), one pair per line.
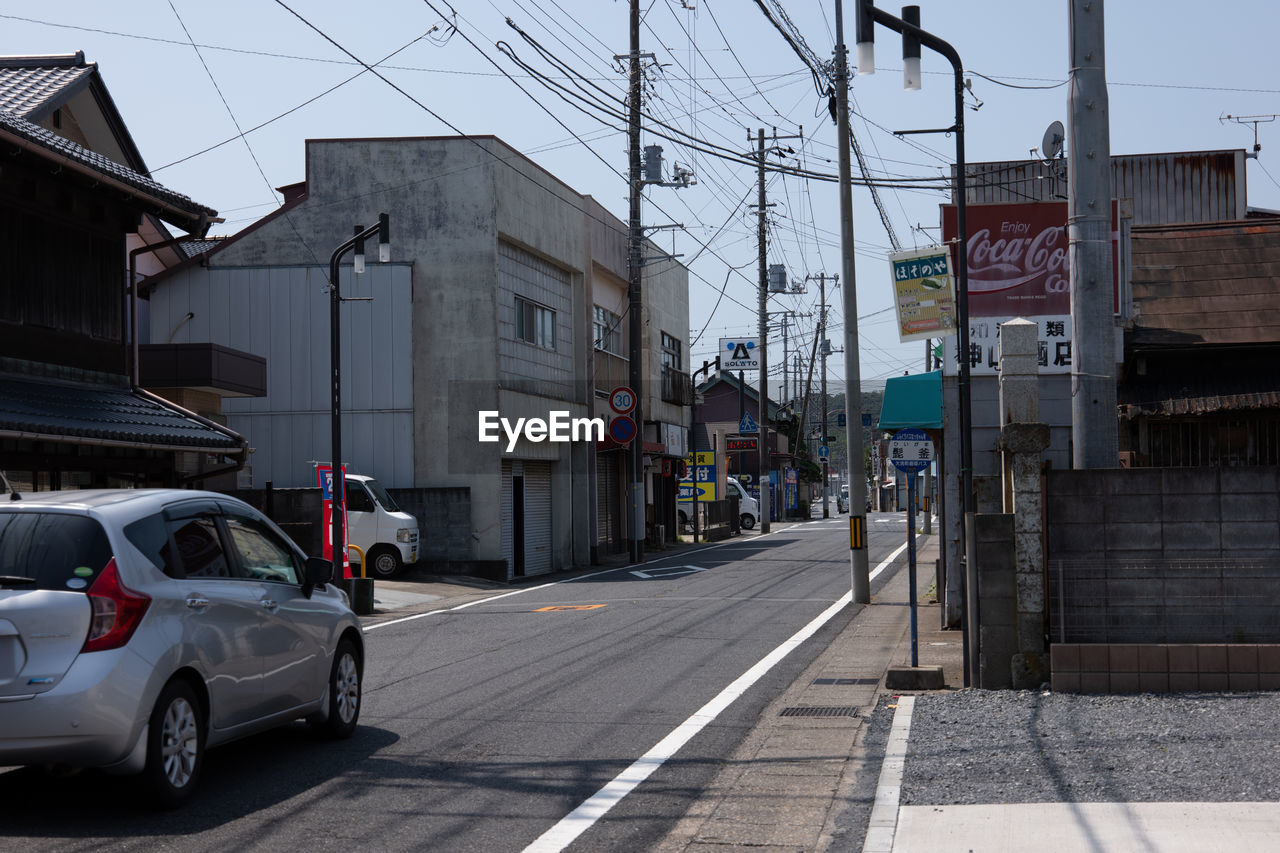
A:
(59, 551)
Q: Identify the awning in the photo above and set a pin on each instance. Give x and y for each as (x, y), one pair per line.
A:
(912, 401)
(73, 413)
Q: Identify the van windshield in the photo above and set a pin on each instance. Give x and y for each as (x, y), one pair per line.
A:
(381, 496)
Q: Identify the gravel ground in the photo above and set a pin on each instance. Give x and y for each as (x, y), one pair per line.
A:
(978, 746)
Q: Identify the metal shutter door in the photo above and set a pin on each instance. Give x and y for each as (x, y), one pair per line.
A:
(508, 547)
(607, 502)
(537, 517)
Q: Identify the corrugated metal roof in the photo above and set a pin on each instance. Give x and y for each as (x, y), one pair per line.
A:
(1202, 405)
(1190, 186)
(1206, 284)
(58, 411)
(33, 86)
(33, 133)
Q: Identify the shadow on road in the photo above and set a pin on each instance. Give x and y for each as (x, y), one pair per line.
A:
(238, 779)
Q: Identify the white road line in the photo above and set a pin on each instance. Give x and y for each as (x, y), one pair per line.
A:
(581, 819)
(884, 814)
(415, 616)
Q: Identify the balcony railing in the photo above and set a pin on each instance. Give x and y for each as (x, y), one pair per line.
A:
(677, 387)
(611, 371)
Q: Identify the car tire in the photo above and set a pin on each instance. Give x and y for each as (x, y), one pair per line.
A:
(344, 694)
(175, 745)
(384, 562)
(747, 521)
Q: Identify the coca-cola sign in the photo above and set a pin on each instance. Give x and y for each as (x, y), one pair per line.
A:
(1017, 256)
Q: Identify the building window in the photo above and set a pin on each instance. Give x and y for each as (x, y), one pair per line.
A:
(535, 323)
(671, 352)
(606, 330)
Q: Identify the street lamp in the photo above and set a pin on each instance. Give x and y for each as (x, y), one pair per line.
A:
(338, 490)
(912, 37)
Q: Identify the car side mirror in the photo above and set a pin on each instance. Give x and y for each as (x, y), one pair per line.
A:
(319, 572)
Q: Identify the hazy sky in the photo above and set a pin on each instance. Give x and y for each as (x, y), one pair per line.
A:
(1174, 69)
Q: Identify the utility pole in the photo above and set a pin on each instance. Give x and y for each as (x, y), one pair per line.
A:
(763, 475)
(1094, 430)
(635, 239)
(762, 238)
(859, 570)
(824, 349)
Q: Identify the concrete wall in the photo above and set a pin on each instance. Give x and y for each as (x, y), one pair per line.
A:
(1164, 555)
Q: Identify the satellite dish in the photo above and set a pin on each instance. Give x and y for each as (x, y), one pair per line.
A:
(1054, 136)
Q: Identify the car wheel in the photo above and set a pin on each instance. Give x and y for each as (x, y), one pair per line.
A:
(747, 521)
(175, 745)
(385, 562)
(344, 694)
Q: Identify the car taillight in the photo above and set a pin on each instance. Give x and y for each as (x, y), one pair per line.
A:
(117, 610)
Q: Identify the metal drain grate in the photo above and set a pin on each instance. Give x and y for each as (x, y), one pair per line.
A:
(846, 681)
(820, 711)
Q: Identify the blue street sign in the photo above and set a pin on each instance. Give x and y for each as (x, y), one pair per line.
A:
(910, 450)
(747, 424)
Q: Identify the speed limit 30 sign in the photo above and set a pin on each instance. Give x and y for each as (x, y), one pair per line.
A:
(622, 400)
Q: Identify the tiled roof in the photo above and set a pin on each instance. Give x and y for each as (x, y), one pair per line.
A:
(204, 244)
(32, 86)
(19, 127)
(60, 411)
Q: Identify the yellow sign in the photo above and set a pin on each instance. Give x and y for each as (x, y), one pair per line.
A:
(924, 293)
(702, 457)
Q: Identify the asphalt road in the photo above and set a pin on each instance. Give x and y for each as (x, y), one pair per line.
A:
(484, 726)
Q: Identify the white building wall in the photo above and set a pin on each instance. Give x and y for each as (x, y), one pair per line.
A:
(282, 314)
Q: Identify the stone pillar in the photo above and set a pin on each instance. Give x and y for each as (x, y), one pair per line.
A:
(1022, 441)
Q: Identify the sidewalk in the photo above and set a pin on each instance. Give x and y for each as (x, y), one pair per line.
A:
(798, 782)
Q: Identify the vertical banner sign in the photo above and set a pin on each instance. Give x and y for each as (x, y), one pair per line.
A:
(924, 293)
(324, 479)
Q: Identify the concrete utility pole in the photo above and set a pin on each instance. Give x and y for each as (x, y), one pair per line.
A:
(635, 324)
(824, 349)
(1094, 430)
(762, 237)
(763, 475)
(859, 570)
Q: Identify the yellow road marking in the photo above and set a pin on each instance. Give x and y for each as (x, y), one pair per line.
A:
(570, 607)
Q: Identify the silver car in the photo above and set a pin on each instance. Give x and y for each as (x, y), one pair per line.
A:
(138, 627)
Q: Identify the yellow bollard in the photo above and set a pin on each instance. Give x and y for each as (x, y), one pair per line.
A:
(362, 561)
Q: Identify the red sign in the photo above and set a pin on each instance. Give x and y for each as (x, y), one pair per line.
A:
(324, 479)
(747, 443)
(1018, 260)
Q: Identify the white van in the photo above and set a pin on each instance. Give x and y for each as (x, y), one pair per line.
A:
(375, 524)
(748, 507)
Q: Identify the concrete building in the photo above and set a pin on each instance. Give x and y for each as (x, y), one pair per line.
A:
(488, 305)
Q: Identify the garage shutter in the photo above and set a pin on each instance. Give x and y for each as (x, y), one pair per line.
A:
(508, 548)
(608, 503)
(537, 517)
